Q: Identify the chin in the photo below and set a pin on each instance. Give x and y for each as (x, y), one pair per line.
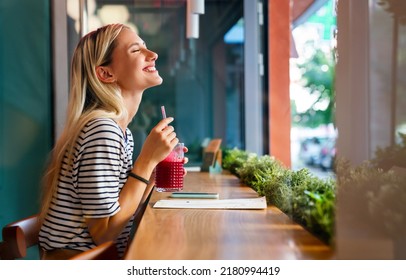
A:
(155, 83)
(159, 81)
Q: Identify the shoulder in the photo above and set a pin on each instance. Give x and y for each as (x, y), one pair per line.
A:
(101, 124)
(102, 130)
(102, 127)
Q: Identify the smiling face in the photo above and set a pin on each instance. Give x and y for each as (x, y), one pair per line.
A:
(133, 65)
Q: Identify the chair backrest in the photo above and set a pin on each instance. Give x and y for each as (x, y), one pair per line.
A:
(105, 251)
(18, 236)
(140, 212)
(23, 234)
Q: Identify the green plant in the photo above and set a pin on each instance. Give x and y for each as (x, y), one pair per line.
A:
(387, 207)
(305, 198)
(374, 190)
(233, 159)
(376, 196)
(393, 155)
(258, 170)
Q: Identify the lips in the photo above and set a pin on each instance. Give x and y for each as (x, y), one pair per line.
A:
(150, 69)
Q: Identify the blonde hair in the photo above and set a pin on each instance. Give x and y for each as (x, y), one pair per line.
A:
(89, 99)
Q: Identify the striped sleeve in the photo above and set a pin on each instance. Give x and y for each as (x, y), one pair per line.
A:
(98, 168)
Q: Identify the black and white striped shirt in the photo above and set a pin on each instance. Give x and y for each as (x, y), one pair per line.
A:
(90, 188)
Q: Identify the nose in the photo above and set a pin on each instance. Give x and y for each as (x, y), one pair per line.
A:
(151, 56)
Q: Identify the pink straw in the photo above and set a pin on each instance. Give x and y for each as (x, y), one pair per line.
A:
(163, 112)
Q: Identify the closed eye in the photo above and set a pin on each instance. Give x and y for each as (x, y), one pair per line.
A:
(136, 47)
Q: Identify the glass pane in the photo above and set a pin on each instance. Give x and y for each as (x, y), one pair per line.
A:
(371, 195)
(234, 84)
(203, 78)
(312, 92)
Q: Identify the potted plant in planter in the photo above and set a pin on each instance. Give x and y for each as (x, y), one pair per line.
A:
(375, 190)
(305, 198)
(373, 199)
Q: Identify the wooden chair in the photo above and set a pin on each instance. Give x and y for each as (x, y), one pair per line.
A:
(105, 251)
(139, 213)
(19, 236)
(23, 234)
(108, 250)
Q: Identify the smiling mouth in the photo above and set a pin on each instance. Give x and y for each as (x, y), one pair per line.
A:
(150, 69)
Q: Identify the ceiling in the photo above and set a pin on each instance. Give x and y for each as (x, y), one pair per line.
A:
(220, 14)
(301, 9)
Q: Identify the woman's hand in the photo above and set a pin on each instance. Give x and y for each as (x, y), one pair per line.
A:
(185, 160)
(159, 143)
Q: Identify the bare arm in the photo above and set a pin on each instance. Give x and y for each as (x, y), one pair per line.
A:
(159, 143)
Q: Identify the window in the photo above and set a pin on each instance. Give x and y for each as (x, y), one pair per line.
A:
(203, 86)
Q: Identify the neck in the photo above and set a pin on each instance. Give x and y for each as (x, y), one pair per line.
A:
(132, 102)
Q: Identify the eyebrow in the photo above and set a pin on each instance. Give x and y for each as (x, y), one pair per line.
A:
(136, 44)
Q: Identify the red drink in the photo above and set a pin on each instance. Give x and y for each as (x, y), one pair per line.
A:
(169, 172)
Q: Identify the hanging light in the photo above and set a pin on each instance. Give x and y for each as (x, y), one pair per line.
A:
(192, 22)
(196, 6)
(192, 26)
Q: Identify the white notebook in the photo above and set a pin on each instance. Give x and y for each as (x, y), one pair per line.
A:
(240, 203)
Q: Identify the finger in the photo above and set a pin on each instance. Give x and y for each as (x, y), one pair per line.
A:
(170, 138)
(174, 141)
(185, 149)
(185, 160)
(168, 130)
(164, 123)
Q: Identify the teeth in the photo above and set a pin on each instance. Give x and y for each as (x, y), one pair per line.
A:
(150, 69)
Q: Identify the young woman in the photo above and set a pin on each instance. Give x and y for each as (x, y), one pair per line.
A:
(92, 187)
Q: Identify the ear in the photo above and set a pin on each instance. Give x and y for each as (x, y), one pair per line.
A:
(104, 75)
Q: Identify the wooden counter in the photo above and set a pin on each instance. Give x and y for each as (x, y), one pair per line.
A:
(208, 234)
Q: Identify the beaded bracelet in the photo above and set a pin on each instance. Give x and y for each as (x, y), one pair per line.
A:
(139, 178)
